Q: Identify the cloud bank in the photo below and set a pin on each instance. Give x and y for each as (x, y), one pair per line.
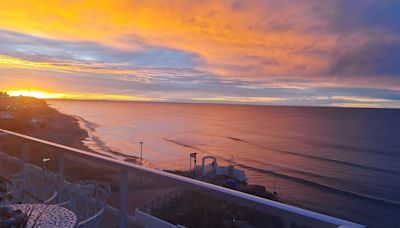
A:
(286, 52)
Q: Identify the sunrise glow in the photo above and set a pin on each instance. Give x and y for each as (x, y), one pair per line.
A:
(36, 94)
(272, 52)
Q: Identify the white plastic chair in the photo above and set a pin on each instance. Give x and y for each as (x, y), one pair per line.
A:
(34, 186)
(87, 199)
(5, 192)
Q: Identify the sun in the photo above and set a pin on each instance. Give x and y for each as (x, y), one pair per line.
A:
(36, 94)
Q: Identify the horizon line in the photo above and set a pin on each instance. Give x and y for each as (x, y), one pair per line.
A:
(217, 103)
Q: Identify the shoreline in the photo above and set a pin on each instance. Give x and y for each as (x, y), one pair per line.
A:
(54, 126)
(90, 129)
(73, 131)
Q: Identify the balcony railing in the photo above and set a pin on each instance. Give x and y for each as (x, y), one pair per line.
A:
(289, 215)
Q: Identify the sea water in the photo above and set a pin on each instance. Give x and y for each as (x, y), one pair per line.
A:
(342, 162)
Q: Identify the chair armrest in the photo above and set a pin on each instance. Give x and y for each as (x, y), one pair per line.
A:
(63, 203)
(53, 197)
(91, 219)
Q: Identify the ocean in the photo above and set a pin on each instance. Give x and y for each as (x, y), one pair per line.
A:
(343, 162)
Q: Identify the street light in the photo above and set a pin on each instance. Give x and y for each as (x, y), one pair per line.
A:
(193, 155)
(141, 152)
(45, 160)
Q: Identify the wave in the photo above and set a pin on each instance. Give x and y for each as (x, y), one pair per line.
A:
(321, 186)
(341, 146)
(315, 157)
(352, 148)
(91, 130)
(196, 148)
(293, 178)
(100, 145)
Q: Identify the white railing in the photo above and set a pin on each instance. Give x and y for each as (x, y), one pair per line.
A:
(286, 212)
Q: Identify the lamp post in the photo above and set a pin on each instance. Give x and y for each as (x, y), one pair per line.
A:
(141, 152)
(193, 155)
(45, 160)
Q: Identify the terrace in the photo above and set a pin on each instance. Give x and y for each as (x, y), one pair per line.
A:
(131, 195)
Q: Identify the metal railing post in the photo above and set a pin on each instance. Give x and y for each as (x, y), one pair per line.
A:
(24, 156)
(61, 157)
(123, 198)
(24, 159)
(2, 164)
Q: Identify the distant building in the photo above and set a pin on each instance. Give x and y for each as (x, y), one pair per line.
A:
(3, 94)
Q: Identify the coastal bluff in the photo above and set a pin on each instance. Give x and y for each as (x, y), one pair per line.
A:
(34, 117)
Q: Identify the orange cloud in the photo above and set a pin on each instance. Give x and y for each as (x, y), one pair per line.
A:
(119, 70)
(361, 99)
(237, 51)
(259, 38)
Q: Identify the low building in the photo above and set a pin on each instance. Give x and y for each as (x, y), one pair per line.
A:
(6, 115)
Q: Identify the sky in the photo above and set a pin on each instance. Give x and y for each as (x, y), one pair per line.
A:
(274, 52)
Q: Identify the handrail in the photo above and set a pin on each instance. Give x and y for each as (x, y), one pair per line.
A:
(306, 217)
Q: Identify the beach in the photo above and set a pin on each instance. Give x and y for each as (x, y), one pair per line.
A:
(60, 128)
